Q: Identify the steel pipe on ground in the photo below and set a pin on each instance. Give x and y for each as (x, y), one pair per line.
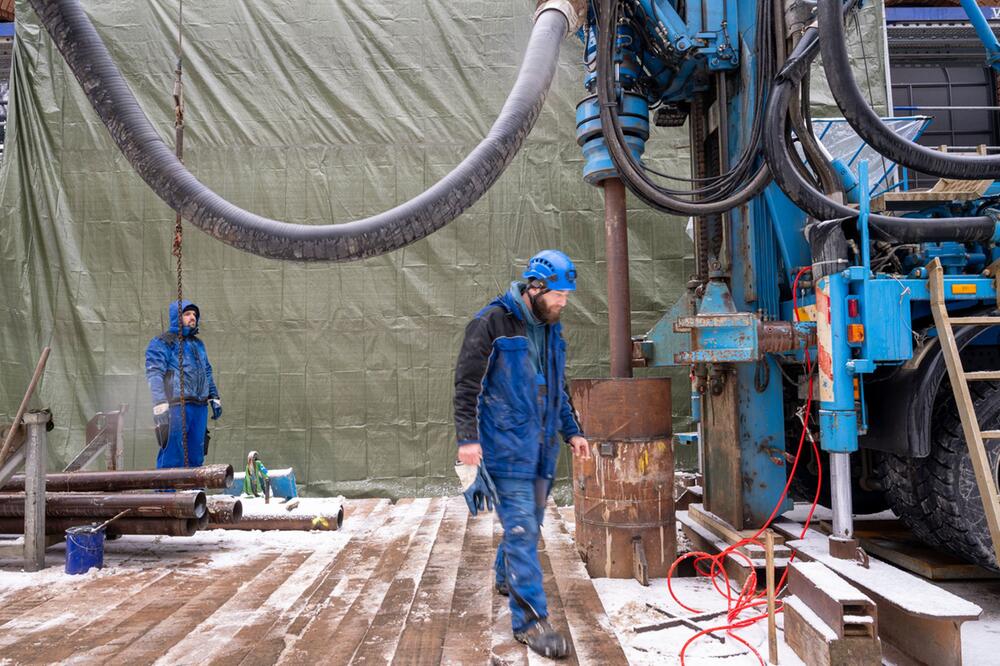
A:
(194, 478)
(187, 504)
(289, 522)
(224, 509)
(146, 526)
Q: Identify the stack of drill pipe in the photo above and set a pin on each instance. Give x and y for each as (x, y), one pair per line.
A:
(183, 527)
(172, 514)
(280, 519)
(180, 478)
(189, 504)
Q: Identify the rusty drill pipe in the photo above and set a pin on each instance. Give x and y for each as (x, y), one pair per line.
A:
(147, 526)
(187, 504)
(619, 302)
(224, 509)
(286, 522)
(194, 478)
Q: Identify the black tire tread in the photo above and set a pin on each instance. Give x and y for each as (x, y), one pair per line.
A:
(955, 512)
(904, 482)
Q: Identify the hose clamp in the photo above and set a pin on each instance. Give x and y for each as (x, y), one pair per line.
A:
(575, 11)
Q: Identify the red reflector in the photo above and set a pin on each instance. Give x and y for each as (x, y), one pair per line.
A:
(852, 307)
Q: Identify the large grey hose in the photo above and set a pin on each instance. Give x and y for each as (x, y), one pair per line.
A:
(866, 122)
(88, 58)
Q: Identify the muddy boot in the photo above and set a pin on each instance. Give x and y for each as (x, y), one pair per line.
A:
(544, 640)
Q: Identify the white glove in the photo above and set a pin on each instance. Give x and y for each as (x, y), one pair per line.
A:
(161, 414)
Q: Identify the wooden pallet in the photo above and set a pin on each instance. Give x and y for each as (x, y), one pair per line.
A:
(943, 191)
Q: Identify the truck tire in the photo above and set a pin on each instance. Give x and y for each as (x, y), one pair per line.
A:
(904, 481)
(958, 519)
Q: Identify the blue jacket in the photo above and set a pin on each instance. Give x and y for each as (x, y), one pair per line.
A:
(162, 357)
(502, 403)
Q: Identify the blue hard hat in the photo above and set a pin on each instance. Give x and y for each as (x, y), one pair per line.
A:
(554, 269)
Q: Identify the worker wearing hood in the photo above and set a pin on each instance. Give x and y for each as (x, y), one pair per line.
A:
(165, 355)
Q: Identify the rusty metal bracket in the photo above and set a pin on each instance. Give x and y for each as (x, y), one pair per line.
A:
(844, 549)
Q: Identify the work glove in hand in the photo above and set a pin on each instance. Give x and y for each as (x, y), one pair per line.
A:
(477, 487)
(161, 414)
(216, 405)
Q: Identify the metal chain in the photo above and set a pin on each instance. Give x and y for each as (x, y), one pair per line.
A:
(178, 251)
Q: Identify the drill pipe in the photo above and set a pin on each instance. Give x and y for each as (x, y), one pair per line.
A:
(286, 522)
(148, 526)
(189, 504)
(619, 307)
(179, 478)
(224, 509)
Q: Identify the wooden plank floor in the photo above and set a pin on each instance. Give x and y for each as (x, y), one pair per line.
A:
(405, 583)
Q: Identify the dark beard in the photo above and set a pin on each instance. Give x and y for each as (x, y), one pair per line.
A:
(542, 311)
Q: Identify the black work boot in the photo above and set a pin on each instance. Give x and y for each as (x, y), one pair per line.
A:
(502, 588)
(544, 640)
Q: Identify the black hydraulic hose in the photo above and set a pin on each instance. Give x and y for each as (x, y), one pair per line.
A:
(869, 126)
(629, 173)
(798, 114)
(804, 195)
(85, 53)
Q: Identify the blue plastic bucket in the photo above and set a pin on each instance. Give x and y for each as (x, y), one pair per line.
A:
(84, 549)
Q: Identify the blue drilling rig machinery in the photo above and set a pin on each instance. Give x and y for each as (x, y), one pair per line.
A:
(806, 315)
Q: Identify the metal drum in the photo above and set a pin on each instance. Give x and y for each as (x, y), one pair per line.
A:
(624, 495)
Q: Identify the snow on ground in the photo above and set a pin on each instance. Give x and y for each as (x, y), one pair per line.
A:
(214, 549)
(980, 639)
(313, 506)
(626, 601)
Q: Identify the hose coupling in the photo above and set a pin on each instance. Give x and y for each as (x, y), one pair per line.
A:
(575, 11)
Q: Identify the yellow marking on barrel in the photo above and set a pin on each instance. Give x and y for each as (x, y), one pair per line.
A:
(644, 462)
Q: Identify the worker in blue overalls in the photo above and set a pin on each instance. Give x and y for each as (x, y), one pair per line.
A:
(511, 406)
(198, 393)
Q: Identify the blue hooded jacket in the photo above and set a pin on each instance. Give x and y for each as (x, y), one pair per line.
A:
(162, 362)
(515, 413)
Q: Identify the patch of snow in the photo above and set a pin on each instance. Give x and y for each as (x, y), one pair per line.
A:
(811, 618)
(909, 591)
(829, 582)
(307, 506)
(625, 602)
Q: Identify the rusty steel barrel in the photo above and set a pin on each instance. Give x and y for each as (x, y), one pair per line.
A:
(623, 496)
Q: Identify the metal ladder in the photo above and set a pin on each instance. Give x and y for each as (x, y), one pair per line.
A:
(963, 399)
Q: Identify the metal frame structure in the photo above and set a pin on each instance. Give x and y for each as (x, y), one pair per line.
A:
(33, 454)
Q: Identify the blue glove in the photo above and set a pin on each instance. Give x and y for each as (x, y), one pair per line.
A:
(161, 414)
(477, 487)
(216, 405)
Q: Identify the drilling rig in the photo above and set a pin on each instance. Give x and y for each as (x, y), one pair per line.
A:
(816, 310)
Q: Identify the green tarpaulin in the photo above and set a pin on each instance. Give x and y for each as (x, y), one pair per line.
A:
(305, 112)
